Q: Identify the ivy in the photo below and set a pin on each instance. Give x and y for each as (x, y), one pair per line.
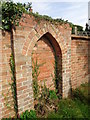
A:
(79, 28)
(13, 84)
(11, 14)
(39, 17)
(61, 21)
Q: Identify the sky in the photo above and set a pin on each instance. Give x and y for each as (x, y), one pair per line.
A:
(75, 12)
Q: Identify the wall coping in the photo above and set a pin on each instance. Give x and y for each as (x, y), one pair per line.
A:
(80, 37)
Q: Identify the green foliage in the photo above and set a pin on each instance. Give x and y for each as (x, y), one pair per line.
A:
(74, 108)
(13, 84)
(68, 109)
(44, 93)
(28, 115)
(48, 18)
(39, 17)
(57, 80)
(35, 74)
(52, 94)
(79, 28)
(81, 93)
(11, 14)
(7, 102)
(45, 98)
(6, 119)
(46, 102)
(57, 77)
(77, 94)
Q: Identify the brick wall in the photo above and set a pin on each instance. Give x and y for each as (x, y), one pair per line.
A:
(43, 53)
(5, 74)
(79, 60)
(1, 75)
(31, 36)
(26, 37)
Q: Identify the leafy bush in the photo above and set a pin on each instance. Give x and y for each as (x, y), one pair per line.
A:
(47, 101)
(77, 94)
(68, 109)
(81, 93)
(79, 28)
(26, 115)
(74, 108)
(52, 94)
(11, 13)
(35, 74)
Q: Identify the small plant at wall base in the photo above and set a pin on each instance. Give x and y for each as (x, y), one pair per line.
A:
(28, 115)
(7, 102)
(35, 74)
(75, 108)
(45, 99)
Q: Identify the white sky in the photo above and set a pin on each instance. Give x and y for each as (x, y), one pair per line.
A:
(75, 12)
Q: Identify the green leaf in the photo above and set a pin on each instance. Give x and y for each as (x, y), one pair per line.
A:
(7, 27)
(12, 12)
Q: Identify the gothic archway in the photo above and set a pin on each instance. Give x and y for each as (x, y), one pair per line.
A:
(46, 54)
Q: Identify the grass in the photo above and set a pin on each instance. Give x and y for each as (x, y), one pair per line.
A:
(76, 107)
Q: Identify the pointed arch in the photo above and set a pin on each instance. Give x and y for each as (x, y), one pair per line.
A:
(47, 50)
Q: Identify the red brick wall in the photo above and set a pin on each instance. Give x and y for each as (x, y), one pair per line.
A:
(1, 104)
(25, 37)
(79, 60)
(44, 54)
(6, 95)
(72, 58)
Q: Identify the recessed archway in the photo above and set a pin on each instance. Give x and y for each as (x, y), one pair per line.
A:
(27, 34)
(59, 38)
(47, 55)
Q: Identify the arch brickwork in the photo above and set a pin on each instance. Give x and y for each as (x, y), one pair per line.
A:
(73, 58)
(27, 34)
(31, 33)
